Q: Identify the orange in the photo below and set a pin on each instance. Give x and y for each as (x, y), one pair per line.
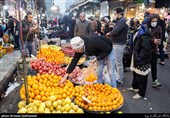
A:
(31, 95)
(38, 97)
(43, 99)
(36, 92)
(47, 94)
(42, 93)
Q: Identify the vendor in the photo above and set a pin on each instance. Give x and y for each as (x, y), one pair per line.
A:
(98, 46)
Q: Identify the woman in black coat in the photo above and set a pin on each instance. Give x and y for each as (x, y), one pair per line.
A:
(140, 60)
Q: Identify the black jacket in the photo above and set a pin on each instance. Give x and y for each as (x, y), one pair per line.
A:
(156, 33)
(142, 49)
(95, 45)
(25, 31)
(119, 32)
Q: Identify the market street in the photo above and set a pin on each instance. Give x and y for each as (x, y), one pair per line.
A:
(157, 100)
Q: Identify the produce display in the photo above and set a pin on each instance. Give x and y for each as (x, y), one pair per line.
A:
(2, 52)
(68, 51)
(68, 60)
(41, 87)
(102, 97)
(45, 67)
(54, 47)
(51, 55)
(57, 106)
(47, 96)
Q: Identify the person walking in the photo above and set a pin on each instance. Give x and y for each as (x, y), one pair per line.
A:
(98, 46)
(162, 24)
(82, 27)
(28, 30)
(140, 63)
(156, 37)
(119, 37)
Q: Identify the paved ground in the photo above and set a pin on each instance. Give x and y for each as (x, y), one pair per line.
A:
(157, 100)
(7, 62)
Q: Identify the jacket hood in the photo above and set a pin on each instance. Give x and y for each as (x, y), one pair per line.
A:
(143, 30)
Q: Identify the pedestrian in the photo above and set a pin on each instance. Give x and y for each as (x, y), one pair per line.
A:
(105, 25)
(28, 31)
(140, 62)
(162, 24)
(98, 46)
(119, 37)
(156, 37)
(72, 26)
(83, 27)
(168, 40)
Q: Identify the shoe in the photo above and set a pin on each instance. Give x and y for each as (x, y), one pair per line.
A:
(137, 96)
(131, 89)
(156, 83)
(162, 63)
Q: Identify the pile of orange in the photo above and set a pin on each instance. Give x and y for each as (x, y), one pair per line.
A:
(41, 87)
(51, 55)
(91, 78)
(102, 97)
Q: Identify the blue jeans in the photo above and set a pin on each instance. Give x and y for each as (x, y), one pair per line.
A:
(29, 47)
(118, 51)
(110, 63)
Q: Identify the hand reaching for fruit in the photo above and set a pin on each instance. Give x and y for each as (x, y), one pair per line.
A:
(63, 80)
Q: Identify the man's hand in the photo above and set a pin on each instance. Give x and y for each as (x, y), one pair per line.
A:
(157, 41)
(93, 61)
(108, 35)
(63, 80)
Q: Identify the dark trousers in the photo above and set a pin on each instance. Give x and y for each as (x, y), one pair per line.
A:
(140, 82)
(161, 51)
(154, 66)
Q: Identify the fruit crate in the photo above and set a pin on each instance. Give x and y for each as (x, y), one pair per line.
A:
(9, 49)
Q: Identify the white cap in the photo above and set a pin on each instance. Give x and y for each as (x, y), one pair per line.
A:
(77, 43)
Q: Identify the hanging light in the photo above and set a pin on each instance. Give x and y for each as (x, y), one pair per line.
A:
(53, 7)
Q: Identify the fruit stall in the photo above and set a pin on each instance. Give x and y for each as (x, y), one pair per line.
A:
(79, 94)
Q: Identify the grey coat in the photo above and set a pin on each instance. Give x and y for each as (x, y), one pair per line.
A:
(83, 29)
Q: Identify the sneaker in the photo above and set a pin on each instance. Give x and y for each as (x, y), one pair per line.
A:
(131, 89)
(137, 96)
(156, 83)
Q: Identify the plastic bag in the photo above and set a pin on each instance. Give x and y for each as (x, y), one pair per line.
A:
(89, 73)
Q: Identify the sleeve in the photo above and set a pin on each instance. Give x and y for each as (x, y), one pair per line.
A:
(104, 50)
(74, 62)
(75, 30)
(89, 28)
(118, 29)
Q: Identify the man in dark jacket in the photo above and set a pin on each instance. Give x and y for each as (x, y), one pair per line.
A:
(119, 37)
(28, 31)
(98, 46)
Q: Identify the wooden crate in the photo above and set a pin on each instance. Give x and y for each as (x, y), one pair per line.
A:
(9, 49)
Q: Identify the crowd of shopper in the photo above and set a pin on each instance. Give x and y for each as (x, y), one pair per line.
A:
(114, 43)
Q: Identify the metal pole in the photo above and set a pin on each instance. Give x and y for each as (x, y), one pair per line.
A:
(36, 8)
(23, 56)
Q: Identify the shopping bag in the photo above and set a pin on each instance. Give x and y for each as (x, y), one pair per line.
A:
(11, 38)
(89, 73)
